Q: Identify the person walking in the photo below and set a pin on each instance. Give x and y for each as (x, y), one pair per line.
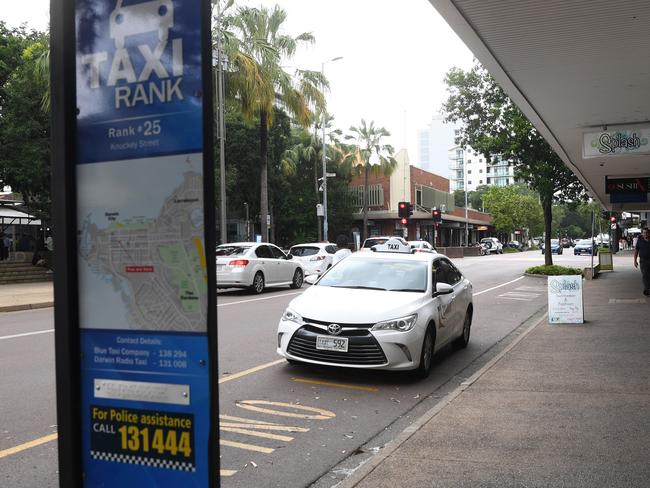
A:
(343, 249)
(642, 252)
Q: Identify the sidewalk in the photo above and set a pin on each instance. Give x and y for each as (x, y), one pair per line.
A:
(563, 406)
(26, 296)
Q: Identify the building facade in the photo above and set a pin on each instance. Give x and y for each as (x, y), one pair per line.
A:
(433, 143)
(470, 169)
(425, 191)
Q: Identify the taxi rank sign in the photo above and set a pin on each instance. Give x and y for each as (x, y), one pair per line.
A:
(140, 272)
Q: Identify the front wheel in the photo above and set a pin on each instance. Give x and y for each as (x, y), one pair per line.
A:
(463, 340)
(426, 356)
(297, 279)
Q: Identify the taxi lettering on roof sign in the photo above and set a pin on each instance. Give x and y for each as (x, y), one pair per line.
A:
(393, 245)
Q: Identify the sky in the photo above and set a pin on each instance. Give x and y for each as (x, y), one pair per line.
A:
(395, 55)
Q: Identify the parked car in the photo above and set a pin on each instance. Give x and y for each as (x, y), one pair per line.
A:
(394, 310)
(516, 245)
(256, 266)
(422, 246)
(585, 246)
(556, 248)
(374, 241)
(315, 258)
(495, 245)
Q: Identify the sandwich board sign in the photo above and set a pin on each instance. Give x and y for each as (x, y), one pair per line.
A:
(565, 301)
(144, 278)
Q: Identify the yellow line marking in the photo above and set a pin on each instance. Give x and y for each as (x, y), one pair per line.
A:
(281, 428)
(264, 435)
(336, 385)
(250, 371)
(227, 472)
(243, 420)
(28, 445)
(248, 447)
(320, 413)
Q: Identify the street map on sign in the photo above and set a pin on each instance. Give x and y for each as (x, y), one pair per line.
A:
(142, 261)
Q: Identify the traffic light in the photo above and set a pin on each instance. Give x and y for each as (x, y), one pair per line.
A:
(612, 219)
(409, 209)
(402, 209)
(437, 215)
(404, 221)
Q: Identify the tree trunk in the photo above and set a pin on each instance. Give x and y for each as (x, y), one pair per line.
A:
(264, 168)
(364, 230)
(547, 207)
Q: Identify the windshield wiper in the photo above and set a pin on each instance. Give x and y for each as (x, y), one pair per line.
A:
(407, 289)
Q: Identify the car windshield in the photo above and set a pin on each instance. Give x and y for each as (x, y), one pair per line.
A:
(232, 250)
(373, 242)
(554, 241)
(378, 275)
(301, 251)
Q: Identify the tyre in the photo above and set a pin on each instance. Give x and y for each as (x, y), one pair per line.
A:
(297, 279)
(426, 356)
(463, 340)
(258, 283)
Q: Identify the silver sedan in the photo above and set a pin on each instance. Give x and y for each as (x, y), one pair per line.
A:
(256, 266)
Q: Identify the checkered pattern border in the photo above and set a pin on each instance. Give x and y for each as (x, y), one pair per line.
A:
(143, 461)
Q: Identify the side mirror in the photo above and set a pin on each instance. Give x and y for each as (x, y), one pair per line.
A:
(289, 256)
(444, 289)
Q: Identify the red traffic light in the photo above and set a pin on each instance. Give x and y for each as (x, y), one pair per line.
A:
(402, 205)
(612, 219)
(404, 221)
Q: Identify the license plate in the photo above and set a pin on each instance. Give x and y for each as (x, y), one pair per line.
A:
(329, 343)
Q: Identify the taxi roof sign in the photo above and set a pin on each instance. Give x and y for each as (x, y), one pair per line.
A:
(393, 244)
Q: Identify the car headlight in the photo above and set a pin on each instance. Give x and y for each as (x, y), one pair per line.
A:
(402, 324)
(292, 316)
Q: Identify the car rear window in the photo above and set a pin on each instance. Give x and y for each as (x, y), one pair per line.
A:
(232, 250)
(301, 251)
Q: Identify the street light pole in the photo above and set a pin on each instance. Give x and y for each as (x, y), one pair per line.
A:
(248, 238)
(222, 131)
(325, 223)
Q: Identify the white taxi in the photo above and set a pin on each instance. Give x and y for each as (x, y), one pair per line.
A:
(390, 309)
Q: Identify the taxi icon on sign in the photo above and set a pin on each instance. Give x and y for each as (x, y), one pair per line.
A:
(141, 18)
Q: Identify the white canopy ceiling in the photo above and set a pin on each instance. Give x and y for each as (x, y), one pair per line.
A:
(572, 67)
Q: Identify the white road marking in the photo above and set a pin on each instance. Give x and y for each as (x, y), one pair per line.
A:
(25, 334)
(498, 286)
(258, 299)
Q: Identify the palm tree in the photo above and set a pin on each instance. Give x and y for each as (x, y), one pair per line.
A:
(256, 80)
(367, 139)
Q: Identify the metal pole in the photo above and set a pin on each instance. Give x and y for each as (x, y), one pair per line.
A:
(593, 217)
(325, 223)
(465, 191)
(222, 132)
(248, 235)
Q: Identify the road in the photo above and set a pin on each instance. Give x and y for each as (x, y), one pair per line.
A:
(281, 425)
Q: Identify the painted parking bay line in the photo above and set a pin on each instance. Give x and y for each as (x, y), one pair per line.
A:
(25, 334)
(246, 447)
(28, 445)
(336, 385)
(250, 371)
(227, 472)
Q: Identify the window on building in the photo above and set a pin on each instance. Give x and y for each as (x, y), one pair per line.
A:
(480, 160)
(456, 132)
(480, 182)
(480, 170)
(469, 161)
(469, 171)
(489, 180)
(469, 182)
(418, 196)
(487, 170)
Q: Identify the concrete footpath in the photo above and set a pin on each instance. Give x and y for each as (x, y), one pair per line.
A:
(26, 296)
(562, 406)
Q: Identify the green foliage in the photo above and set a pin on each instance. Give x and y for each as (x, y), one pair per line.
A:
(494, 125)
(24, 127)
(513, 210)
(510, 250)
(553, 270)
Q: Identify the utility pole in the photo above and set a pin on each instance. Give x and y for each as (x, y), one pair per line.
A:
(222, 133)
(325, 223)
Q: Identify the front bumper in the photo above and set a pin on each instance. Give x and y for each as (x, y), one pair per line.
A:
(385, 350)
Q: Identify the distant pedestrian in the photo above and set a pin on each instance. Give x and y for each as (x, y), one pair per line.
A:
(642, 251)
(343, 249)
(2, 248)
(7, 244)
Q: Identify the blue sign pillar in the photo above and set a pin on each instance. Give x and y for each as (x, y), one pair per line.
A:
(141, 272)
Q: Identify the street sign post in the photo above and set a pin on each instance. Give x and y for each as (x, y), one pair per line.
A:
(135, 321)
